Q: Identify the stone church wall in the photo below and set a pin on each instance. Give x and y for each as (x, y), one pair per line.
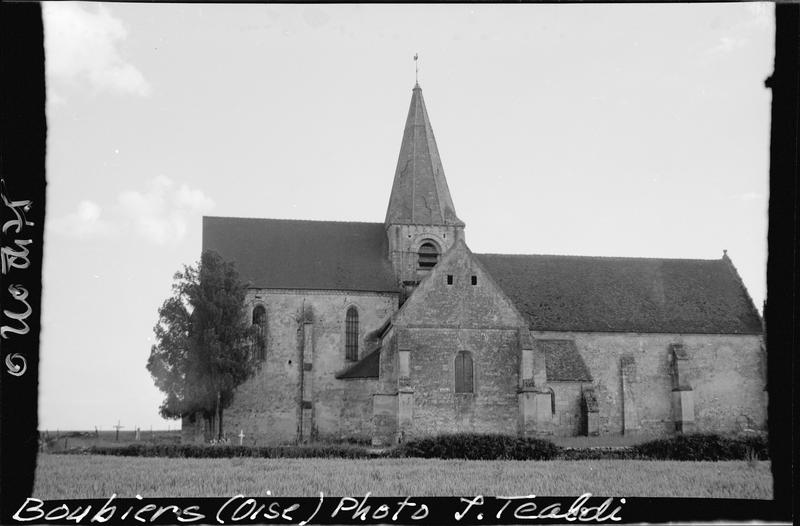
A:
(355, 410)
(726, 374)
(567, 420)
(437, 408)
(457, 307)
(405, 240)
(269, 406)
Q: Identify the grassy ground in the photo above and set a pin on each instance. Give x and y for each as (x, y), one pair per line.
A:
(53, 441)
(85, 476)
(603, 441)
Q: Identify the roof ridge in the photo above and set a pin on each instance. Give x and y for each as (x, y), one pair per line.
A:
(297, 220)
(597, 257)
(740, 284)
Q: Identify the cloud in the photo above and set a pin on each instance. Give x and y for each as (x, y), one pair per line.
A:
(193, 199)
(743, 24)
(162, 213)
(726, 44)
(84, 223)
(750, 196)
(81, 47)
(761, 13)
(315, 17)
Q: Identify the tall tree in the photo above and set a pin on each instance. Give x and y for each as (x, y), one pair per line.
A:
(203, 343)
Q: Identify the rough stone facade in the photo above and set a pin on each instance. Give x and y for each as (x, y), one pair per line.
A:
(446, 315)
(269, 407)
(726, 373)
(451, 341)
(405, 241)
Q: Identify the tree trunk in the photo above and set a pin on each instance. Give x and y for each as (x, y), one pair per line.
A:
(219, 415)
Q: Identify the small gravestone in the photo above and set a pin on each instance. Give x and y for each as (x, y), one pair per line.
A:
(241, 437)
(118, 427)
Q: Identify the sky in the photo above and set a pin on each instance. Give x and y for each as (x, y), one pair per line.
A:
(604, 130)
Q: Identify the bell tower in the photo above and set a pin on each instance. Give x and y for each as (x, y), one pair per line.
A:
(421, 222)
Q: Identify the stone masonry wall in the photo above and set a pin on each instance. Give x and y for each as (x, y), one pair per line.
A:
(459, 308)
(356, 410)
(268, 406)
(492, 408)
(404, 243)
(726, 373)
(567, 420)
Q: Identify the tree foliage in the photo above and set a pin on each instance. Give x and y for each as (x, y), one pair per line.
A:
(202, 351)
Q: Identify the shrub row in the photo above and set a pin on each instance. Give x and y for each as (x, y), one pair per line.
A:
(229, 451)
(705, 447)
(480, 447)
(695, 447)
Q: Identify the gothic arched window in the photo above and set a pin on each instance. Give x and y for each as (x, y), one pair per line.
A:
(259, 332)
(464, 382)
(351, 334)
(428, 255)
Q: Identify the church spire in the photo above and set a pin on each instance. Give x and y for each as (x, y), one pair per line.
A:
(419, 192)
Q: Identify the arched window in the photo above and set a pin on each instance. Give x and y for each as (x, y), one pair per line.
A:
(259, 332)
(428, 256)
(464, 383)
(351, 334)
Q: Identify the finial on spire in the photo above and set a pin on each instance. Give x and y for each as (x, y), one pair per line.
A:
(416, 69)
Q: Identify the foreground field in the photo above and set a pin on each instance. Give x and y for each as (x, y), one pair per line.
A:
(53, 441)
(86, 476)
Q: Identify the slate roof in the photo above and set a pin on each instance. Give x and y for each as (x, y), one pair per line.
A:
(579, 293)
(367, 367)
(297, 254)
(555, 293)
(563, 362)
(419, 190)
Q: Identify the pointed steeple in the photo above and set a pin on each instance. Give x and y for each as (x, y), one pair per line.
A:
(419, 192)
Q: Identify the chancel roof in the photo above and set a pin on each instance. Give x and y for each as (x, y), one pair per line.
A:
(367, 367)
(562, 361)
(608, 294)
(296, 254)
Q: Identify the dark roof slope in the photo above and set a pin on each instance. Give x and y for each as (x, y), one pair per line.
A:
(563, 362)
(578, 293)
(295, 254)
(419, 191)
(367, 367)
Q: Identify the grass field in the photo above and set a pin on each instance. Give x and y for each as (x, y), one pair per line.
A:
(86, 476)
(60, 440)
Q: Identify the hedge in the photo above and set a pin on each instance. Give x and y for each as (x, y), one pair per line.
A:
(705, 447)
(229, 451)
(480, 447)
(697, 447)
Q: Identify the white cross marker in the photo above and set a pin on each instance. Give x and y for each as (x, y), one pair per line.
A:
(241, 436)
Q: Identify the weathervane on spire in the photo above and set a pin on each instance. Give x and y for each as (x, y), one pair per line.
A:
(416, 69)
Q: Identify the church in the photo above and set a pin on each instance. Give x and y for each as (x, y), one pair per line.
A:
(383, 332)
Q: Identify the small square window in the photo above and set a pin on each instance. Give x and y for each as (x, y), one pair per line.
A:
(474, 280)
(449, 279)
